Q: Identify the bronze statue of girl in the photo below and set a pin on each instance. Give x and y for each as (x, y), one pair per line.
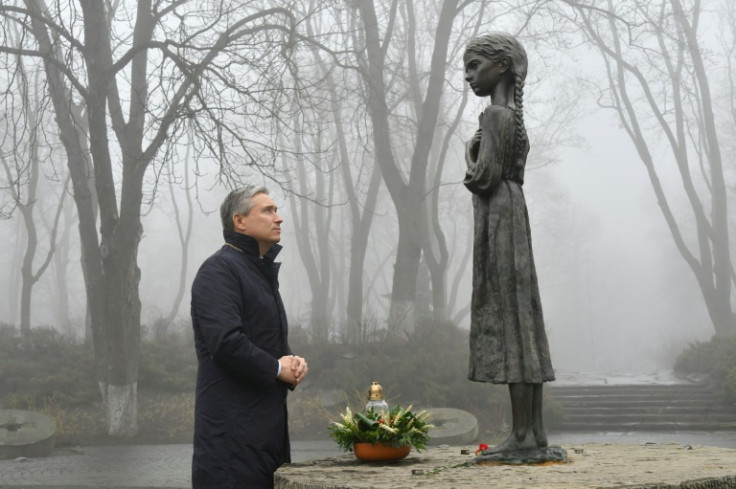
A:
(508, 344)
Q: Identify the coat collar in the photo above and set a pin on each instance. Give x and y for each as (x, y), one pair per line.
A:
(249, 245)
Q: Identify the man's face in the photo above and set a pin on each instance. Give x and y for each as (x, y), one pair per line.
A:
(262, 222)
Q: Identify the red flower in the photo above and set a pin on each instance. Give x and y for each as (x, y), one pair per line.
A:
(480, 449)
(380, 420)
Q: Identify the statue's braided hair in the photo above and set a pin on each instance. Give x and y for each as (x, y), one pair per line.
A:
(496, 46)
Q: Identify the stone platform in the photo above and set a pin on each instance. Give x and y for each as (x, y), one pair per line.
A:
(589, 466)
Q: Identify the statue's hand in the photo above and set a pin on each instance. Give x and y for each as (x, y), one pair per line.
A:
(471, 149)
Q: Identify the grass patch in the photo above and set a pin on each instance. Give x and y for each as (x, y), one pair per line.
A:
(716, 359)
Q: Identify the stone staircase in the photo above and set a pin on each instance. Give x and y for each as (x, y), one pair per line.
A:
(622, 408)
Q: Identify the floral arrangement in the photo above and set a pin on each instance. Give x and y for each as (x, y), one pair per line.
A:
(399, 428)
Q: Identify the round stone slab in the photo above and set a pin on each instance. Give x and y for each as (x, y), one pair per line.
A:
(452, 426)
(589, 466)
(25, 434)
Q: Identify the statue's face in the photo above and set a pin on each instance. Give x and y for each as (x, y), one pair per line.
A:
(482, 74)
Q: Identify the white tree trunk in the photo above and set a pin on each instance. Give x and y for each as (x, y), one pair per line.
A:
(121, 408)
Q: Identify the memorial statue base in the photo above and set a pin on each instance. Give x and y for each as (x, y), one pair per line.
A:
(528, 456)
(589, 466)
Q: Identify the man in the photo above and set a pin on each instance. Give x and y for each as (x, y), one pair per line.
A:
(245, 364)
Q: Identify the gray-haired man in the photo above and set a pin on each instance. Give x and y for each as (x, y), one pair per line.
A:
(245, 364)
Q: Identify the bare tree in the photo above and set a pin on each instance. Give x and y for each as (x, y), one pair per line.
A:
(143, 70)
(658, 84)
(312, 218)
(20, 155)
(62, 270)
(727, 36)
(407, 186)
(183, 229)
(360, 178)
(435, 249)
(401, 89)
(389, 74)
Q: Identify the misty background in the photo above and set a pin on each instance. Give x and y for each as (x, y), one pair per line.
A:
(617, 294)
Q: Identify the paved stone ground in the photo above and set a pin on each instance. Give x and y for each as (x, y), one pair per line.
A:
(122, 467)
(110, 467)
(590, 466)
(168, 466)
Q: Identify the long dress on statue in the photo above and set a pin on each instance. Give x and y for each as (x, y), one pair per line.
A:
(508, 343)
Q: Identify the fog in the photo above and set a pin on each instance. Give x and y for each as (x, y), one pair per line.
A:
(628, 302)
(617, 294)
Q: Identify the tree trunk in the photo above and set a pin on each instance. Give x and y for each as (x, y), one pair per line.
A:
(121, 338)
(403, 314)
(407, 197)
(27, 269)
(724, 318)
(116, 330)
(185, 236)
(313, 221)
(361, 216)
(358, 247)
(321, 298)
(15, 276)
(28, 279)
(29, 276)
(61, 261)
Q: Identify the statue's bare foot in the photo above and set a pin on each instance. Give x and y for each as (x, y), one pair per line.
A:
(512, 444)
(541, 438)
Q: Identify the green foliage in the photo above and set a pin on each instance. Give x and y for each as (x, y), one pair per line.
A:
(45, 367)
(55, 375)
(429, 368)
(166, 418)
(168, 363)
(716, 359)
(399, 428)
(50, 367)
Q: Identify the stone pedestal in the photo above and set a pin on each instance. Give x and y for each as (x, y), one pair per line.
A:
(452, 426)
(589, 466)
(25, 434)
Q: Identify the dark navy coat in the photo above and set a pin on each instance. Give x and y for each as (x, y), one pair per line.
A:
(240, 332)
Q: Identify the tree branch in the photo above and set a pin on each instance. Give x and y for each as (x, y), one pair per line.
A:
(183, 94)
(73, 41)
(51, 59)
